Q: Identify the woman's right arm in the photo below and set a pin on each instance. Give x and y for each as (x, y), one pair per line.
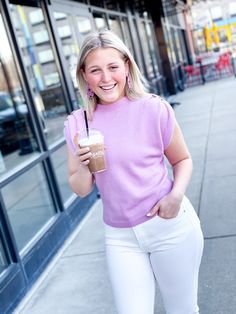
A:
(80, 178)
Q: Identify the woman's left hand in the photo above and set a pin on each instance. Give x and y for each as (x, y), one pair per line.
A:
(168, 207)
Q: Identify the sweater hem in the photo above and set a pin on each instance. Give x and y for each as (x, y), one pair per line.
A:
(128, 224)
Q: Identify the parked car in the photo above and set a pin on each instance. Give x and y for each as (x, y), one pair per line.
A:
(15, 125)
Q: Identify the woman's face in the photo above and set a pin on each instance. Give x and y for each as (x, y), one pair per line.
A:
(106, 72)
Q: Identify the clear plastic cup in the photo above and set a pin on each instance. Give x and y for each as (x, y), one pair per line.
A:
(94, 139)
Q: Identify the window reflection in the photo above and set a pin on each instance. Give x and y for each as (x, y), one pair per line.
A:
(17, 137)
(41, 68)
(146, 53)
(100, 20)
(127, 35)
(59, 159)
(3, 258)
(176, 36)
(71, 30)
(179, 45)
(114, 25)
(84, 26)
(169, 43)
(28, 204)
(153, 51)
(151, 58)
(69, 42)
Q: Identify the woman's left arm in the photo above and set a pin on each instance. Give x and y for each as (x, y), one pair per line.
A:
(179, 157)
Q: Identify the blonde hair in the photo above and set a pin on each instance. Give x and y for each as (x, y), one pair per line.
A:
(107, 39)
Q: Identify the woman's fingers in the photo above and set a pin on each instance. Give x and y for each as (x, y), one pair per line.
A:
(154, 210)
(82, 151)
(84, 155)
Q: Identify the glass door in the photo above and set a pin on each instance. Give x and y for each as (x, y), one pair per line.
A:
(41, 65)
(72, 22)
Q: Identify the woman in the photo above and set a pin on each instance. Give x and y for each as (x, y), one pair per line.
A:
(152, 231)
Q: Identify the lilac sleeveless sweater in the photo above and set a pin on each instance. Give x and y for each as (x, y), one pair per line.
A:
(136, 135)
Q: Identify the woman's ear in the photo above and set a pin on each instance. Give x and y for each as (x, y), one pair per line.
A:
(127, 67)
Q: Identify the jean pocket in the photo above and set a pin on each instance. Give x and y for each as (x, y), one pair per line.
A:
(177, 217)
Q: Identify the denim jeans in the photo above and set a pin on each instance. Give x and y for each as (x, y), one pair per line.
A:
(166, 251)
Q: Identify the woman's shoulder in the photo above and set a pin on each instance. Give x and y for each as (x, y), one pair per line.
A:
(77, 113)
(156, 98)
(75, 121)
(156, 101)
(74, 117)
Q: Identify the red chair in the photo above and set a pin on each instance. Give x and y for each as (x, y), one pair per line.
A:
(223, 65)
(193, 74)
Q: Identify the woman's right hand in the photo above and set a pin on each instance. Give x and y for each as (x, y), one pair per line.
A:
(83, 153)
(80, 178)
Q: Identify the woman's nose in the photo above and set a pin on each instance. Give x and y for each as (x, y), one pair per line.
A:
(106, 76)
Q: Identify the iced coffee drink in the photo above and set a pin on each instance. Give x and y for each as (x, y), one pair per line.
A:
(95, 140)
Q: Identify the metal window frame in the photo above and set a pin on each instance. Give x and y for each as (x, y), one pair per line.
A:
(45, 152)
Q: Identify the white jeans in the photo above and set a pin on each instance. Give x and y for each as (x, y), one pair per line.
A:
(168, 250)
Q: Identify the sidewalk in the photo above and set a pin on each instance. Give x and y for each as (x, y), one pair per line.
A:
(76, 281)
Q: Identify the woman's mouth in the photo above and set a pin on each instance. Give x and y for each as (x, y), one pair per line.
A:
(108, 87)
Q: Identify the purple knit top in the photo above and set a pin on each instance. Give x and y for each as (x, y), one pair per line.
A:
(136, 134)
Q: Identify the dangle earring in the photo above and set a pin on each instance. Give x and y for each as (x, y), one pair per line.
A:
(129, 84)
(90, 92)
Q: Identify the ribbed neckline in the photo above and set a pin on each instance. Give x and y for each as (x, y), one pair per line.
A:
(113, 105)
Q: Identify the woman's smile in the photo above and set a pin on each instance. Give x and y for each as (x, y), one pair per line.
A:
(108, 87)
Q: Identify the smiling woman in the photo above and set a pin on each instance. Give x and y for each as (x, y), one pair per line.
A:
(149, 222)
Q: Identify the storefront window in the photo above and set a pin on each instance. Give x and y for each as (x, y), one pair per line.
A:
(178, 44)
(146, 52)
(17, 136)
(127, 35)
(100, 20)
(84, 26)
(72, 29)
(59, 159)
(28, 204)
(183, 45)
(233, 33)
(199, 41)
(169, 44)
(153, 50)
(41, 68)
(69, 43)
(114, 25)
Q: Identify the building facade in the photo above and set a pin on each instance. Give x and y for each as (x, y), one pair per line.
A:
(38, 89)
(214, 26)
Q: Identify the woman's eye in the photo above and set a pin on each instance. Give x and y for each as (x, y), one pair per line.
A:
(114, 67)
(94, 70)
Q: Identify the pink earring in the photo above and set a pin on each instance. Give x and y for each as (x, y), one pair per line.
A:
(128, 80)
(90, 92)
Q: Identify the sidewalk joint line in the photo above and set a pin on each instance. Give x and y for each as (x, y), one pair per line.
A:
(205, 155)
(83, 254)
(221, 236)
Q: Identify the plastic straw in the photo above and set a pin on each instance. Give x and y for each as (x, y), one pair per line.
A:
(86, 122)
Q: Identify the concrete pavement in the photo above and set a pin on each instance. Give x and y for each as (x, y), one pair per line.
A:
(76, 281)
